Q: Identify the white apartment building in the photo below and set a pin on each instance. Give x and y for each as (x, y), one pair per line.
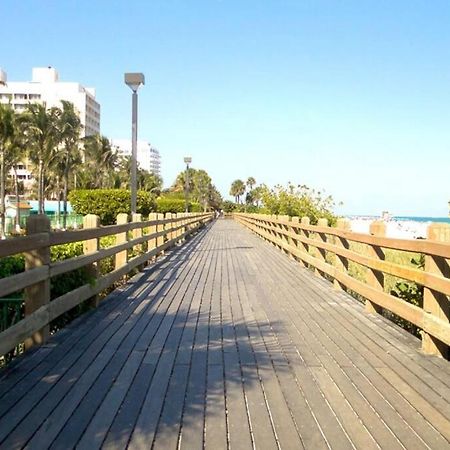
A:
(46, 88)
(148, 157)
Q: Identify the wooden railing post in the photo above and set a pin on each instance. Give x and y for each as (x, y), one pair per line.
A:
(137, 232)
(375, 278)
(305, 233)
(292, 241)
(321, 254)
(341, 262)
(435, 303)
(274, 232)
(121, 257)
(159, 228)
(90, 246)
(151, 230)
(169, 226)
(262, 224)
(176, 225)
(283, 228)
(38, 294)
(181, 230)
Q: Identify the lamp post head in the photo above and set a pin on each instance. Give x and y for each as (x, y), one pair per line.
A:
(134, 80)
(187, 159)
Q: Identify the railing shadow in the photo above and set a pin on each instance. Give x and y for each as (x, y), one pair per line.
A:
(132, 371)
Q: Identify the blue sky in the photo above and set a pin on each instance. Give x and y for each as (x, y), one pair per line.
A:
(348, 96)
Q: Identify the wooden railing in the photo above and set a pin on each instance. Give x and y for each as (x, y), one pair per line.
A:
(159, 232)
(328, 251)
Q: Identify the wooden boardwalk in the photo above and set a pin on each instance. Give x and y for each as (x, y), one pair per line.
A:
(227, 343)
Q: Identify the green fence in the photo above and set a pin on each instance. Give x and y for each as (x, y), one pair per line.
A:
(73, 221)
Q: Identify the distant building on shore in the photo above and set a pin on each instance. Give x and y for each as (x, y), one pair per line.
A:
(45, 88)
(148, 157)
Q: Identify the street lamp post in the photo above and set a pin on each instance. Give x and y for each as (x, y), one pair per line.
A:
(187, 160)
(134, 80)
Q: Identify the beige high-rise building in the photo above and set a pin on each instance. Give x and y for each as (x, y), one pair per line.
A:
(46, 88)
(147, 156)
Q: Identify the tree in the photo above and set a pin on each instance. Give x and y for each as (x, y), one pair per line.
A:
(180, 182)
(201, 188)
(251, 182)
(6, 133)
(100, 163)
(43, 137)
(215, 198)
(299, 201)
(15, 156)
(237, 189)
(150, 182)
(69, 156)
(146, 181)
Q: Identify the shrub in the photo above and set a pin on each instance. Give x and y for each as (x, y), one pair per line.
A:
(195, 207)
(410, 292)
(172, 205)
(107, 203)
(299, 201)
(228, 206)
(11, 265)
(175, 205)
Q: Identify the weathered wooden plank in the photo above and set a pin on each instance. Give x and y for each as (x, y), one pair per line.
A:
(285, 430)
(215, 429)
(122, 425)
(147, 421)
(15, 245)
(113, 333)
(192, 426)
(22, 280)
(238, 424)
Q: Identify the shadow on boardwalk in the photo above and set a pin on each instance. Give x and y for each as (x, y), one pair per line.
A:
(154, 362)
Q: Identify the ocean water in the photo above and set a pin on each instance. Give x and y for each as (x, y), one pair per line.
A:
(423, 219)
(402, 227)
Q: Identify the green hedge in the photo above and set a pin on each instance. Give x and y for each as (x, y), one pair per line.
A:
(172, 205)
(107, 203)
(196, 207)
(175, 205)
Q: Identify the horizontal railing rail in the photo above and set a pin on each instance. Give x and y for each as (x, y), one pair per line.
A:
(159, 233)
(312, 245)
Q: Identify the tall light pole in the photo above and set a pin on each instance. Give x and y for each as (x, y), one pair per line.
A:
(187, 160)
(134, 80)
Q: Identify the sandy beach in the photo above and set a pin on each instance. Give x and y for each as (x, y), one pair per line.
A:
(402, 229)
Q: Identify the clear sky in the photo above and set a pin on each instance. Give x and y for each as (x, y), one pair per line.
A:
(348, 96)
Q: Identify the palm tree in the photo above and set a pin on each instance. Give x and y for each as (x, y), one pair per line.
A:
(202, 187)
(237, 189)
(69, 155)
(148, 181)
(100, 160)
(6, 133)
(43, 137)
(16, 155)
(180, 183)
(251, 182)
